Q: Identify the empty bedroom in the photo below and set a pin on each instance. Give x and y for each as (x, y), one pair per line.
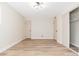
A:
(39, 28)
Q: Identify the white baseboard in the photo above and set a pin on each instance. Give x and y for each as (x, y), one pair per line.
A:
(39, 38)
(9, 46)
(75, 44)
(73, 51)
(42, 38)
(59, 42)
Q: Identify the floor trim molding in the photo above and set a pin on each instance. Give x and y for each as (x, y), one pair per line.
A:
(9, 46)
(73, 51)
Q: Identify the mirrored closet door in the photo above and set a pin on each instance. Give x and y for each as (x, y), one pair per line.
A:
(74, 30)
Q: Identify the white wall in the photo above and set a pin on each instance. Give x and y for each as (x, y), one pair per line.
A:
(63, 29)
(0, 13)
(12, 28)
(42, 28)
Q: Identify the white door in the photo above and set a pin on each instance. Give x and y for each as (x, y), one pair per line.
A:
(55, 28)
(63, 29)
(28, 29)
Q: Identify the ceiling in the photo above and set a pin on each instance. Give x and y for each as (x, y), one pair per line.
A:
(51, 9)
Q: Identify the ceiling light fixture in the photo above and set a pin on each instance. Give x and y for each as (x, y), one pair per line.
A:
(38, 5)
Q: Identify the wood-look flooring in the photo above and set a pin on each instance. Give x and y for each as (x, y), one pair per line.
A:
(46, 47)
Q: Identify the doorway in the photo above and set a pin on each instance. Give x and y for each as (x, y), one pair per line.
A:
(28, 29)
